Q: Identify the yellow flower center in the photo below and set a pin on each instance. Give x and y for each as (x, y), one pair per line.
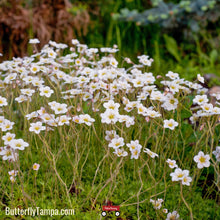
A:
(202, 159)
(170, 124)
(34, 69)
(180, 175)
(111, 116)
(8, 153)
(9, 138)
(135, 152)
(18, 145)
(172, 101)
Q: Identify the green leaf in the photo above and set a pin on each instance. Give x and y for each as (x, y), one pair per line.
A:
(213, 56)
(172, 47)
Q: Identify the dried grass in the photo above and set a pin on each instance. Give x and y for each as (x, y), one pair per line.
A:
(47, 20)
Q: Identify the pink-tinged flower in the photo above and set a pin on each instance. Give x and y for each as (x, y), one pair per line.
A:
(36, 166)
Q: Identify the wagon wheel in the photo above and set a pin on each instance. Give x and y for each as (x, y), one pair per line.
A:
(117, 213)
(103, 213)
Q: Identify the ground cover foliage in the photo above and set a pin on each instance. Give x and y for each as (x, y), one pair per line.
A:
(80, 129)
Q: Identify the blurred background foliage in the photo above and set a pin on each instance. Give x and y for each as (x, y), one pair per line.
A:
(181, 35)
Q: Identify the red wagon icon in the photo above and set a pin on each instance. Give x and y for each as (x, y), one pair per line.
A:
(110, 208)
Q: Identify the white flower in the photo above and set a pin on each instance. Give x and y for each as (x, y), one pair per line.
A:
(138, 82)
(87, 119)
(172, 163)
(31, 115)
(13, 179)
(22, 98)
(141, 109)
(48, 118)
(179, 174)
(158, 96)
(127, 119)
(75, 41)
(217, 153)
(8, 153)
(45, 91)
(34, 41)
(202, 160)
(77, 119)
(116, 142)
(111, 105)
(87, 96)
(174, 87)
(111, 135)
(6, 125)
(19, 144)
(78, 62)
(59, 108)
(200, 78)
(144, 59)
(51, 54)
(8, 79)
(151, 153)
(152, 114)
(13, 173)
(171, 124)
(109, 116)
(165, 211)
(34, 68)
(133, 145)
(207, 107)
(135, 153)
(113, 62)
(157, 203)
(172, 75)
(171, 103)
(200, 99)
(173, 216)
(41, 111)
(3, 101)
(186, 180)
(8, 137)
(120, 152)
(28, 92)
(62, 120)
(37, 127)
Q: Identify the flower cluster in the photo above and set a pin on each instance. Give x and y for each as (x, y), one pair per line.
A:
(88, 88)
